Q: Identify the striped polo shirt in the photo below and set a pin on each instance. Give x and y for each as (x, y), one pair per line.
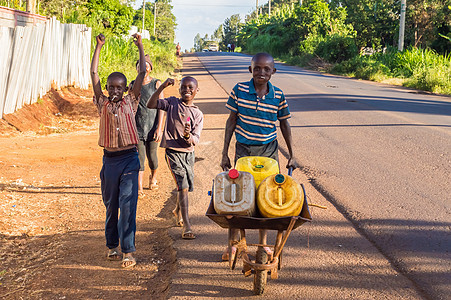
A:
(117, 121)
(256, 123)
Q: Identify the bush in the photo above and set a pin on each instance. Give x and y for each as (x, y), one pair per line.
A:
(310, 44)
(336, 48)
(266, 43)
(119, 54)
(424, 68)
(436, 79)
(362, 67)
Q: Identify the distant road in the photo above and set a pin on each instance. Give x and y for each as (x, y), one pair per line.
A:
(381, 154)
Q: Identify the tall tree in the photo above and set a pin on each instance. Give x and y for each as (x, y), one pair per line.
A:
(165, 21)
(375, 21)
(148, 17)
(425, 19)
(217, 35)
(231, 27)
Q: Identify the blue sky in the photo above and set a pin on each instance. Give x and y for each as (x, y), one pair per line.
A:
(204, 16)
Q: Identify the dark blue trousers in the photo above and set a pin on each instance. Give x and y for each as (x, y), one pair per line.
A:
(119, 185)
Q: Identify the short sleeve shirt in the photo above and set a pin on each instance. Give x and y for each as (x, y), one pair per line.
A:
(177, 115)
(256, 123)
(117, 127)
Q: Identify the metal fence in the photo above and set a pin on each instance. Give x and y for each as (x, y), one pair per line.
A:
(33, 59)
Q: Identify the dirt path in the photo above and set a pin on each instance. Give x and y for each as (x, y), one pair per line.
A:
(52, 215)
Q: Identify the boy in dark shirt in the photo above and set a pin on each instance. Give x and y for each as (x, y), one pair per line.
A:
(184, 122)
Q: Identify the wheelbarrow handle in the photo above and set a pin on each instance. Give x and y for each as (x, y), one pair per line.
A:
(290, 171)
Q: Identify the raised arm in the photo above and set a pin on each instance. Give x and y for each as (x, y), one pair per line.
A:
(153, 101)
(286, 132)
(230, 128)
(97, 87)
(136, 90)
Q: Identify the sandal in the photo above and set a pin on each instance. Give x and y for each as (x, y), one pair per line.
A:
(128, 262)
(188, 235)
(178, 222)
(113, 254)
(141, 195)
(153, 186)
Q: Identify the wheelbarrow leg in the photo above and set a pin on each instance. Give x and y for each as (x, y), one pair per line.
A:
(260, 276)
(277, 246)
(237, 241)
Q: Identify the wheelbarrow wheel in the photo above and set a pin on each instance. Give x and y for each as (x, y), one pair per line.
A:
(260, 276)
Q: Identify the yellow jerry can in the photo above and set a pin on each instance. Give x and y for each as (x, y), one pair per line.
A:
(260, 167)
(279, 196)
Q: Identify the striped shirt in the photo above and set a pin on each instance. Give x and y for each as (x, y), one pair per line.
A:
(256, 123)
(117, 121)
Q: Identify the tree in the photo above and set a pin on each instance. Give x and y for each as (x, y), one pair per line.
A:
(375, 21)
(231, 27)
(425, 19)
(148, 17)
(200, 43)
(217, 35)
(62, 9)
(165, 21)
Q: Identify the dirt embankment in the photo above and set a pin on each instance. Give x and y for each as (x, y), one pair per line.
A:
(52, 215)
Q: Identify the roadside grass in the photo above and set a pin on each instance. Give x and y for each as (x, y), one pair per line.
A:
(120, 55)
(421, 69)
(416, 68)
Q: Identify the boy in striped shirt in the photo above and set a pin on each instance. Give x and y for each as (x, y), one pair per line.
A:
(255, 106)
(118, 137)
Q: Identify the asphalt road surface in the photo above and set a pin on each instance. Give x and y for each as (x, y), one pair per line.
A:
(376, 155)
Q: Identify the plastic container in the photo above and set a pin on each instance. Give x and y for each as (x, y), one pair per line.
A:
(279, 196)
(234, 193)
(260, 167)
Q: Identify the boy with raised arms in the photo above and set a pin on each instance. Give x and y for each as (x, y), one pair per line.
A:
(118, 137)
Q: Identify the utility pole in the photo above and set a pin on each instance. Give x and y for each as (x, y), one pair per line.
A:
(256, 7)
(154, 17)
(31, 6)
(269, 5)
(144, 12)
(402, 23)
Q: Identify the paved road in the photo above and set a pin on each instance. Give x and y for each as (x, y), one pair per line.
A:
(380, 155)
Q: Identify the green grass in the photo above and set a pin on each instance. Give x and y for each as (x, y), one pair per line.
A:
(120, 55)
(421, 69)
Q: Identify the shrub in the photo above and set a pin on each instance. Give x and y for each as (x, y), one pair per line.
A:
(119, 54)
(266, 43)
(310, 44)
(363, 67)
(337, 48)
(435, 77)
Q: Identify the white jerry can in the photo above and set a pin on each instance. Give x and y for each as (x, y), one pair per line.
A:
(234, 193)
